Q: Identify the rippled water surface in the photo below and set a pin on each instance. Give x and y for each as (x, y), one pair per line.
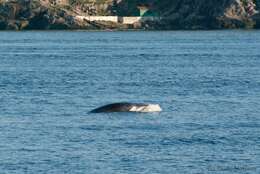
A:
(208, 84)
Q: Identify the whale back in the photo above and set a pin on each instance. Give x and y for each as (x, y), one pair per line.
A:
(128, 107)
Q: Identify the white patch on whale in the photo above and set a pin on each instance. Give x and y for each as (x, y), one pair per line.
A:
(148, 108)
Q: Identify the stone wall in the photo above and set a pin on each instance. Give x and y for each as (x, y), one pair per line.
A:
(132, 20)
(99, 18)
(118, 19)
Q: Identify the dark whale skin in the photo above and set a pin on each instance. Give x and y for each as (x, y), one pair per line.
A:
(116, 107)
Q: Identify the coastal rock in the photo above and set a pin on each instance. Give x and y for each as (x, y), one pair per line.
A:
(204, 14)
(19, 15)
(177, 14)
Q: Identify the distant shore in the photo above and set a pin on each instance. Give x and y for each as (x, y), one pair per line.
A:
(35, 15)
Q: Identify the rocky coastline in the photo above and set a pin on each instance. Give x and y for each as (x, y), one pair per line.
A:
(175, 15)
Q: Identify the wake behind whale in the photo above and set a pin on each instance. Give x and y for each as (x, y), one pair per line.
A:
(128, 107)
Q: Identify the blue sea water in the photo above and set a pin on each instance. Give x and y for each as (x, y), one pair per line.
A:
(207, 82)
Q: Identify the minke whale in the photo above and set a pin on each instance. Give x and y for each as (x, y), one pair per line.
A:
(128, 107)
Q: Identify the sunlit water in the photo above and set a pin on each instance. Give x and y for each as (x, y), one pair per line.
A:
(208, 84)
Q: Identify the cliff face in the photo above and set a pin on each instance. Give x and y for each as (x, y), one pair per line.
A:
(176, 14)
(204, 14)
(18, 15)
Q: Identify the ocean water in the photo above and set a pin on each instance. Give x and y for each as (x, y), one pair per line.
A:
(207, 82)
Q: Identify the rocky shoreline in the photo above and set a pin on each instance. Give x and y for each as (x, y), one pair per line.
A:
(177, 15)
